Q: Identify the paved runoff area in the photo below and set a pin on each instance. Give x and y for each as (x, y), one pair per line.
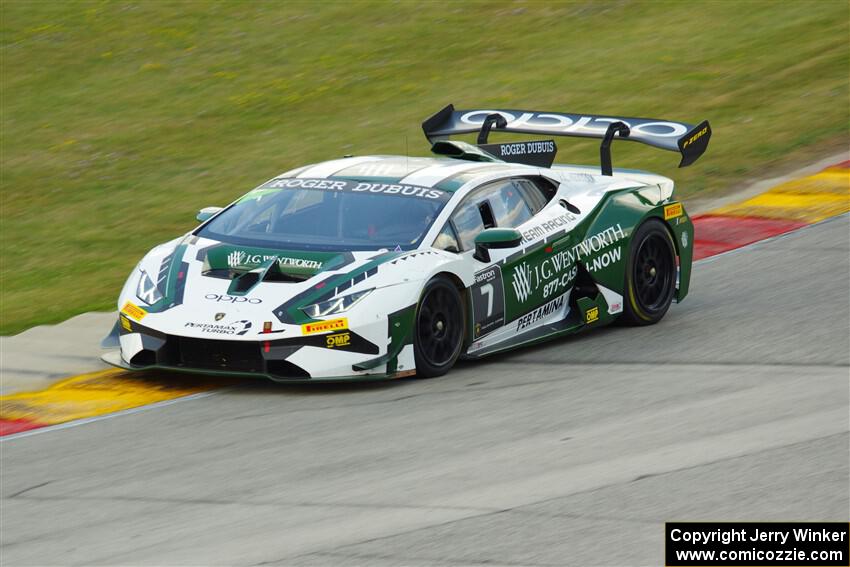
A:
(575, 452)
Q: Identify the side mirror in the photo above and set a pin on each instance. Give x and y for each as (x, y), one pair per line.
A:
(207, 213)
(495, 238)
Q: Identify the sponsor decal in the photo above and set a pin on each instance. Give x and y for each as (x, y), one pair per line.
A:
(540, 313)
(393, 189)
(133, 311)
(219, 316)
(324, 326)
(556, 273)
(488, 301)
(307, 184)
(239, 258)
(522, 282)
(235, 328)
(684, 240)
(338, 340)
(615, 308)
(597, 242)
(125, 323)
(591, 315)
(695, 137)
(604, 260)
(348, 341)
(579, 124)
(560, 283)
(522, 148)
(219, 298)
(358, 187)
(672, 211)
(486, 276)
(539, 152)
(542, 229)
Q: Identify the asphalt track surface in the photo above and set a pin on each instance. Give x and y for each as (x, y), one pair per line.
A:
(735, 407)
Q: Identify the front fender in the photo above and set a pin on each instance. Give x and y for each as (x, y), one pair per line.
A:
(151, 263)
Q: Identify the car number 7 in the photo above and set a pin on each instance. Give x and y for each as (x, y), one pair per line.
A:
(487, 289)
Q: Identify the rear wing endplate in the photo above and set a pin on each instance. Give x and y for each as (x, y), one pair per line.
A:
(688, 140)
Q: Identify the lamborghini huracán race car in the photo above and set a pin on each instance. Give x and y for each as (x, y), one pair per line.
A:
(388, 266)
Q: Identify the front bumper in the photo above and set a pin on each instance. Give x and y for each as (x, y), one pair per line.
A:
(113, 358)
(327, 356)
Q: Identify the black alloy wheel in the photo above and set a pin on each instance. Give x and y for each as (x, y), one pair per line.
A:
(650, 274)
(438, 330)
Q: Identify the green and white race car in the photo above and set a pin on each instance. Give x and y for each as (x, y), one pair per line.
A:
(389, 266)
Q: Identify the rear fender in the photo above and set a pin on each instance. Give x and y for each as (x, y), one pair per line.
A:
(616, 221)
(682, 229)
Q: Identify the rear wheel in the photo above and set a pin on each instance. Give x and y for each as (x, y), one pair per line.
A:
(438, 333)
(650, 274)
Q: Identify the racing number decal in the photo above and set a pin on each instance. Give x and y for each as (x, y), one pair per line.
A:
(488, 301)
(487, 290)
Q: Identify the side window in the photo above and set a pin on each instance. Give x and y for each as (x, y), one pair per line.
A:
(509, 205)
(499, 204)
(468, 223)
(447, 240)
(538, 191)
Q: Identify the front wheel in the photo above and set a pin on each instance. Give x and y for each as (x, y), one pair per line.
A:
(438, 335)
(650, 274)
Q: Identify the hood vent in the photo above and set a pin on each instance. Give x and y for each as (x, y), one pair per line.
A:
(243, 284)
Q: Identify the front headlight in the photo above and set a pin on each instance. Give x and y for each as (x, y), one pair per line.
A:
(335, 305)
(147, 290)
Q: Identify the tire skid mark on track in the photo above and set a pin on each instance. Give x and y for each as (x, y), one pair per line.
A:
(787, 207)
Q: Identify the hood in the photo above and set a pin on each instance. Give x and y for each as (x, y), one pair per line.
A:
(193, 279)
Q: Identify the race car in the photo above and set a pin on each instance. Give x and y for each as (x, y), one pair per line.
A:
(390, 266)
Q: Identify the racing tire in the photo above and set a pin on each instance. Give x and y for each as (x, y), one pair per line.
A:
(650, 275)
(438, 328)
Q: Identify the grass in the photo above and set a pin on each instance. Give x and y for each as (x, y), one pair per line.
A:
(121, 119)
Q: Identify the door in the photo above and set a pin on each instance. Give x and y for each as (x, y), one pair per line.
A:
(524, 288)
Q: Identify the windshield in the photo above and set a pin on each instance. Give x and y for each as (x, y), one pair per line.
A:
(329, 214)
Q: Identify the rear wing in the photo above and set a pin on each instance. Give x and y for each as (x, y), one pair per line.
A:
(689, 140)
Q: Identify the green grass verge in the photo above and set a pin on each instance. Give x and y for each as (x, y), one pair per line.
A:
(121, 119)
